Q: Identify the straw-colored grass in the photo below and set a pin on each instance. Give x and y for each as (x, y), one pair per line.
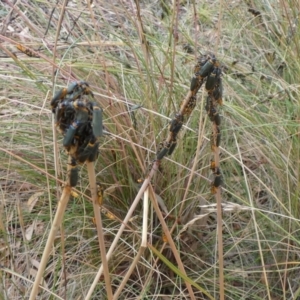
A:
(140, 87)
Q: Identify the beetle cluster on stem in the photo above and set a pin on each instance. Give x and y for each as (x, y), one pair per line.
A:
(207, 70)
(79, 119)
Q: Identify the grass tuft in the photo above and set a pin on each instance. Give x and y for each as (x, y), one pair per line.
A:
(140, 87)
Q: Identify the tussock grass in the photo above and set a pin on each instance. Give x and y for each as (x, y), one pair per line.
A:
(259, 148)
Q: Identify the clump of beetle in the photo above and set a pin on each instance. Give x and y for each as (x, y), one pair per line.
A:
(79, 118)
(207, 70)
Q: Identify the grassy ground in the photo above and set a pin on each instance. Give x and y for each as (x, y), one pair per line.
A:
(140, 86)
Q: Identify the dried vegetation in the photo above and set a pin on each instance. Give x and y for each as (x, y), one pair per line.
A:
(139, 60)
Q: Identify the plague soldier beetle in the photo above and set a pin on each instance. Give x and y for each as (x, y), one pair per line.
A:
(213, 79)
(217, 182)
(172, 146)
(214, 116)
(176, 124)
(97, 121)
(207, 67)
(163, 152)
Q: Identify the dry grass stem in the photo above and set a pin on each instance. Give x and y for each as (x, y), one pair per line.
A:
(264, 269)
(62, 204)
(142, 247)
(93, 188)
(171, 242)
(220, 244)
(120, 231)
